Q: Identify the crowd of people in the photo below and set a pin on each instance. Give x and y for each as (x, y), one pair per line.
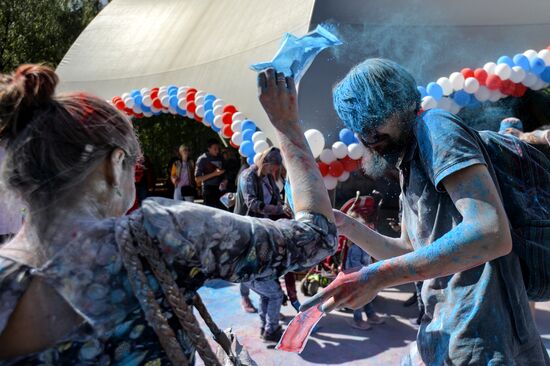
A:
(474, 227)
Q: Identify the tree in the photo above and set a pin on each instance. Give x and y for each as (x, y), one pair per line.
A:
(41, 31)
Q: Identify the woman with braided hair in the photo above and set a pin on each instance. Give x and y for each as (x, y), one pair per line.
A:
(83, 283)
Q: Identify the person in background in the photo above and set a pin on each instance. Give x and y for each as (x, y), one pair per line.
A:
(539, 138)
(182, 176)
(209, 174)
(259, 196)
(231, 166)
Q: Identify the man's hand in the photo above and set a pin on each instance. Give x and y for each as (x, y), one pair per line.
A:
(218, 172)
(277, 95)
(351, 289)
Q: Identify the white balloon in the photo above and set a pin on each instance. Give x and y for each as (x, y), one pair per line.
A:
(256, 159)
(147, 101)
(495, 96)
(356, 151)
(199, 111)
(316, 141)
(444, 103)
(446, 85)
(218, 102)
(237, 138)
(154, 109)
(125, 96)
(207, 124)
(129, 102)
(518, 74)
(199, 100)
(490, 67)
(457, 80)
(218, 122)
(530, 79)
(327, 156)
(137, 109)
(147, 114)
(218, 111)
(173, 111)
(482, 94)
(539, 84)
(343, 177)
(545, 55)
(183, 89)
(182, 103)
(237, 126)
(238, 116)
(261, 146)
(503, 71)
(165, 101)
(471, 85)
(145, 91)
(162, 93)
(330, 182)
(530, 54)
(340, 149)
(258, 136)
(200, 94)
(428, 102)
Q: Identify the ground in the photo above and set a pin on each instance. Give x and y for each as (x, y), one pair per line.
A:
(334, 342)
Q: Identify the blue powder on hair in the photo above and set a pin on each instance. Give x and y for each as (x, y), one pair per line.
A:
(374, 91)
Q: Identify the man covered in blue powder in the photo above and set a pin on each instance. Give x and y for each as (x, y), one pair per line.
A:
(467, 199)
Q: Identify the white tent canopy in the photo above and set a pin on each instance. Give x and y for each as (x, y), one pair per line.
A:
(210, 44)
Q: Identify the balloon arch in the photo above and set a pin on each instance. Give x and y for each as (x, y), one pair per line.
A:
(508, 77)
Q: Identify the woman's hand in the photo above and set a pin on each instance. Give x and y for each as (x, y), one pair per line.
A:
(351, 289)
(277, 95)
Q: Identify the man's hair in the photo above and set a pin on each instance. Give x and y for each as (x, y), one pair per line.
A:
(374, 91)
(211, 142)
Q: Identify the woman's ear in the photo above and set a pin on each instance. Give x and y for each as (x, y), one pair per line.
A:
(114, 167)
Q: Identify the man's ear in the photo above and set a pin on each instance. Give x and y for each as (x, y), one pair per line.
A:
(114, 167)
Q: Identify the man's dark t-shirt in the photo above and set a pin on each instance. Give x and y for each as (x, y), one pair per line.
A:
(207, 164)
(479, 316)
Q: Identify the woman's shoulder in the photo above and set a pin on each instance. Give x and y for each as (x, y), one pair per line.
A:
(14, 280)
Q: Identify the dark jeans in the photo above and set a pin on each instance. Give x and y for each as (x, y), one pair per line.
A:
(211, 196)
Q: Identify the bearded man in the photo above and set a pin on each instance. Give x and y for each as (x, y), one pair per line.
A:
(462, 191)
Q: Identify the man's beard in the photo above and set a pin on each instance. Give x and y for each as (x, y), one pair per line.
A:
(375, 164)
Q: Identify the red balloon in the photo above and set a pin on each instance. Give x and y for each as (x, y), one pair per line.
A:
(336, 168)
(120, 105)
(198, 119)
(191, 91)
(493, 82)
(229, 108)
(190, 97)
(520, 90)
(154, 93)
(227, 118)
(507, 87)
(191, 107)
(115, 100)
(233, 145)
(323, 168)
(351, 165)
(157, 103)
(227, 131)
(467, 72)
(481, 75)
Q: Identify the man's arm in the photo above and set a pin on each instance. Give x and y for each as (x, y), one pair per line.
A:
(377, 245)
(200, 175)
(482, 236)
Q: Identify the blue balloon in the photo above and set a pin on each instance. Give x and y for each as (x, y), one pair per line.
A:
(211, 97)
(209, 116)
(247, 147)
(173, 101)
(423, 92)
(506, 60)
(145, 108)
(135, 93)
(545, 75)
(435, 90)
(173, 90)
(247, 134)
(347, 136)
(522, 61)
(537, 65)
(138, 100)
(181, 112)
(462, 98)
(216, 129)
(250, 160)
(248, 125)
(209, 105)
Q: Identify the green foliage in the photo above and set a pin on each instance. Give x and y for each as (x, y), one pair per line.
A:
(41, 31)
(160, 137)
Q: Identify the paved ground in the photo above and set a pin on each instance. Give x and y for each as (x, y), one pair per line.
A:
(334, 342)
